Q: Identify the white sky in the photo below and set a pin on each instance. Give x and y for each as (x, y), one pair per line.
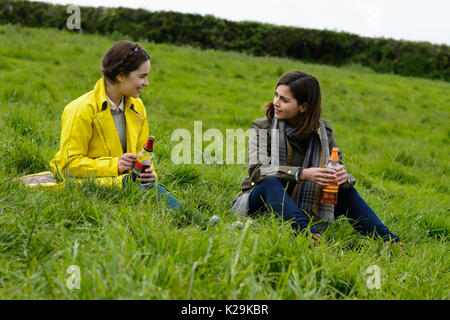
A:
(416, 20)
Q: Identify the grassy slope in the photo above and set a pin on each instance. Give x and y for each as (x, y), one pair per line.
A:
(393, 131)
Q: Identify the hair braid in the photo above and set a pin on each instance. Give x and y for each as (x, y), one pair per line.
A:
(124, 56)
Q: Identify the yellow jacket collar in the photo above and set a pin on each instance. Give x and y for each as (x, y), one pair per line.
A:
(101, 99)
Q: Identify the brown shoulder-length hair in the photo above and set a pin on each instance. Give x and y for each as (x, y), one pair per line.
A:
(123, 56)
(306, 90)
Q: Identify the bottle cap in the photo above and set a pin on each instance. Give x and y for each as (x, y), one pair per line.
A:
(149, 145)
(334, 155)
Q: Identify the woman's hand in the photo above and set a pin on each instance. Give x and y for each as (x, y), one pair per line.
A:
(321, 176)
(324, 176)
(126, 162)
(341, 174)
(147, 176)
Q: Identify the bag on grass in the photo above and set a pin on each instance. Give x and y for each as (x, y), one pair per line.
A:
(44, 179)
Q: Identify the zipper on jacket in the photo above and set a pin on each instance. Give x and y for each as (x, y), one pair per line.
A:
(104, 139)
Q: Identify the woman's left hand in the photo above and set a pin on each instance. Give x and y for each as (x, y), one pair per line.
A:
(147, 177)
(341, 174)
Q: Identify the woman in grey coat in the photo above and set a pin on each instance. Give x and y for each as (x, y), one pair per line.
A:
(288, 151)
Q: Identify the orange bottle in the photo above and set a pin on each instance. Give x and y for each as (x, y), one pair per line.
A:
(330, 192)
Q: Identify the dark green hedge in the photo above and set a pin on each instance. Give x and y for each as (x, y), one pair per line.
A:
(407, 58)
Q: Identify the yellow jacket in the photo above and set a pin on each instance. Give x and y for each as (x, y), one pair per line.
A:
(90, 144)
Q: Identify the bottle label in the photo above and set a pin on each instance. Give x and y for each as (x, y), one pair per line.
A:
(331, 188)
(141, 166)
(332, 165)
(329, 197)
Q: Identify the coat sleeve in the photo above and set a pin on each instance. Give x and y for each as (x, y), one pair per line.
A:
(77, 130)
(144, 133)
(259, 167)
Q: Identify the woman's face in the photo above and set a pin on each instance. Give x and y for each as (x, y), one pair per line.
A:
(286, 106)
(136, 80)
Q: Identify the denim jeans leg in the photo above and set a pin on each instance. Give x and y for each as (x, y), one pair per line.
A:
(271, 192)
(365, 220)
(172, 202)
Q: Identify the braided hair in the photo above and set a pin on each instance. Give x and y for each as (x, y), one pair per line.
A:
(124, 56)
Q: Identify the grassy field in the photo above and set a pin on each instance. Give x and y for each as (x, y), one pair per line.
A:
(394, 132)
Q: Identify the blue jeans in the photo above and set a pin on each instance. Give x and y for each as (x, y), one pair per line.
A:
(172, 202)
(272, 192)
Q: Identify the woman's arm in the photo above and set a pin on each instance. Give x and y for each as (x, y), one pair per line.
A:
(76, 133)
(259, 167)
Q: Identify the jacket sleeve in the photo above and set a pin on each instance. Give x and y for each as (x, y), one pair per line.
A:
(144, 133)
(259, 167)
(333, 144)
(77, 130)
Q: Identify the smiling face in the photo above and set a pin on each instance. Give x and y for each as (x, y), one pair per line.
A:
(132, 84)
(286, 106)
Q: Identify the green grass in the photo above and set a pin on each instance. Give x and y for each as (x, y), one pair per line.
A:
(393, 131)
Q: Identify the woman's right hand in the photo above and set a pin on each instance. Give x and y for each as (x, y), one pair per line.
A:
(126, 162)
(321, 176)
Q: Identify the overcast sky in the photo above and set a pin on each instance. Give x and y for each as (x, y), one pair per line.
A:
(416, 20)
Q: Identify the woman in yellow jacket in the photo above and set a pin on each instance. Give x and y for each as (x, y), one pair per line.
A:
(104, 129)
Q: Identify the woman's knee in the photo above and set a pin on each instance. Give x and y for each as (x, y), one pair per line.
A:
(272, 187)
(348, 194)
(268, 191)
(273, 181)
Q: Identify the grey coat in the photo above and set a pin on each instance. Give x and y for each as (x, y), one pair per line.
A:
(299, 144)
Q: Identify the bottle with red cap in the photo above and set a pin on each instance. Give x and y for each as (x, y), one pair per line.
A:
(145, 158)
(330, 192)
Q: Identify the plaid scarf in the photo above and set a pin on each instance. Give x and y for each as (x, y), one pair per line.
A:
(308, 193)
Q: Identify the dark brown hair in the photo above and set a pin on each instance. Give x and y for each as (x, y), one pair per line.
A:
(306, 90)
(124, 56)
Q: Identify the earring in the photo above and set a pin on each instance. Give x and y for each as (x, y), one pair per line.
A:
(302, 108)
